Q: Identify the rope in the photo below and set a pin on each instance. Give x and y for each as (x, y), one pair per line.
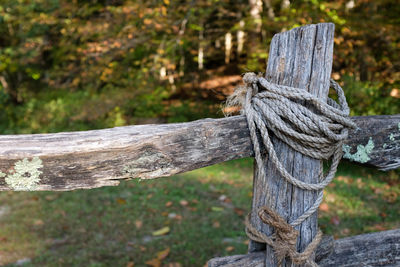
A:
(317, 132)
(283, 241)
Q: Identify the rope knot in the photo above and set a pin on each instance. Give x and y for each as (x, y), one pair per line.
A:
(250, 78)
(283, 240)
(285, 236)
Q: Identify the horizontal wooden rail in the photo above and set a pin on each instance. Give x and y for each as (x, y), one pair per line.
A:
(90, 159)
(375, 249)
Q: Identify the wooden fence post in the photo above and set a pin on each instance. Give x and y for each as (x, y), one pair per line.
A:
(301, 57)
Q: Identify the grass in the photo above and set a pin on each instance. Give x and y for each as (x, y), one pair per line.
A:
(204, 210)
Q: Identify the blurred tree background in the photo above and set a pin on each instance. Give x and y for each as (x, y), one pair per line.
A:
(78, 65)
(68, 65)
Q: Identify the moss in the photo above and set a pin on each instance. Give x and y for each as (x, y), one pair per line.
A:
(362, 152)
(25, 175)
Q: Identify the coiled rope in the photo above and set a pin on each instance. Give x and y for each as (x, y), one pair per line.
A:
(317, 132)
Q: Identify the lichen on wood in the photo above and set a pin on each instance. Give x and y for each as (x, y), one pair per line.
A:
(150, 163)
(362, 154)
(91, 159)
(25, 175)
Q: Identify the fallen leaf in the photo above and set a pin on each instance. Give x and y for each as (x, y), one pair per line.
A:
(390, 197)
(225, 199)
(216, 224)
(379, 227)
(154, 262)
(130, 264)
(121, 201)
(218, 209)
(174, 216)
(183, 202)
(335, 220)
(51, 197)
(377, 190)
(138, 224)
(168, 204)
(38, 222)
(163, 254)
(324, 207)
(345, 231)
(238, 211)
(230, 248)
(163, 231)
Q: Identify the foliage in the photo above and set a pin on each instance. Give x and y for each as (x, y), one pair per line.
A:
(79, 65)
(75, 65)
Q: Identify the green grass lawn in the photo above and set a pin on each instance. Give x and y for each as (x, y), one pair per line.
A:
(199, 214)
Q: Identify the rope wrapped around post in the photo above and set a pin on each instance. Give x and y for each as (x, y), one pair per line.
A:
(317, 132)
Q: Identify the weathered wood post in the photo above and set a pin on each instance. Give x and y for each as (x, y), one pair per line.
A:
(301, 57)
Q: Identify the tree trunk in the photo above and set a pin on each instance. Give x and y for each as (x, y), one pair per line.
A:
(270, 9)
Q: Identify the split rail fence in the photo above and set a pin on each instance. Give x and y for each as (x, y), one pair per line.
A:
(301, 57)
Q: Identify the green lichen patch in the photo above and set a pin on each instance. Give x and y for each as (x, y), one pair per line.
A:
(362, 152)
(391, 137)
(151, 163)
(25, 175)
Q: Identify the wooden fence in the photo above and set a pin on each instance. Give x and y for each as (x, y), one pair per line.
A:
(301, 57)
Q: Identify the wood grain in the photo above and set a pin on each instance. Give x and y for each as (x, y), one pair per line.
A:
(301, 57)
(102, 157)
(90, 159)
(375, 249)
